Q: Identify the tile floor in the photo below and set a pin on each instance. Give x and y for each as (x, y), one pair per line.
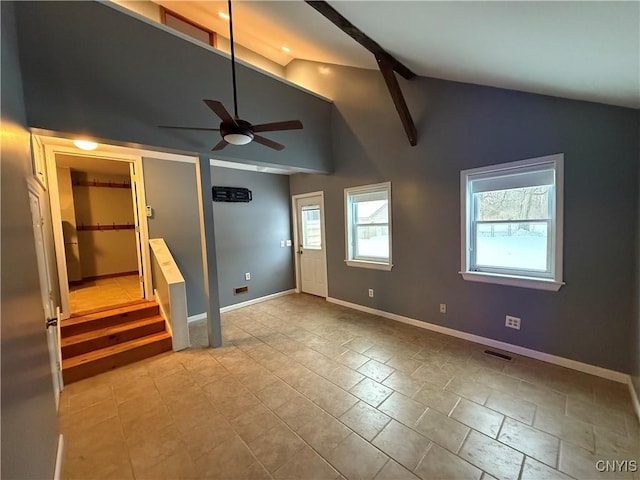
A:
(104, 292)
(303, 389)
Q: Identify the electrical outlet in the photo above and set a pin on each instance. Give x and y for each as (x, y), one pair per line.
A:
(512, 322)
(371, 292)
(247, 276)
(288, 243)
(443, 308)
(281, 243)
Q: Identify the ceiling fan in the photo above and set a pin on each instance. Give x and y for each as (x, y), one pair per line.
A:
(234, 130)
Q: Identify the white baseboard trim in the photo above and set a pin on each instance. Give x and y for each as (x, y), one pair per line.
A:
(203, 316)
(526, 352)
(634, 398)
(257, 300)
(57, 475)
(195, 318)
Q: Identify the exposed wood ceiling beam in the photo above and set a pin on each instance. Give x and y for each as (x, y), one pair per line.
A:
(398, 100)
(354, 32)
(387, 63)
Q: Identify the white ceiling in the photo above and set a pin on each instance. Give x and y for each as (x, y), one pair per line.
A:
(574, 49)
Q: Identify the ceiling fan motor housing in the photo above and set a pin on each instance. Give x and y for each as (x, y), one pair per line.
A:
(231, 130)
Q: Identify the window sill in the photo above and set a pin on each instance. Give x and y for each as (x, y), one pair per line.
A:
(373, 265)
(513, 281)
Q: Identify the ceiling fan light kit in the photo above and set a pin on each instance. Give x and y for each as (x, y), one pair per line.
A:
(234, 130)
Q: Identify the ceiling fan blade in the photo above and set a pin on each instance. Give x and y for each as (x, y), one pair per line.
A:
(219, 110)
(220, 145)
(268, 143)
(272, 127)
(190, 128)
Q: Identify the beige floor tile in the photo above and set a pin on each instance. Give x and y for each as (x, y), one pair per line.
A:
(352, 359)
(308, 465)
(401, 443)
(298, 411)
(566, 428)
(394, 471)
(438, 463)
(402, 408)
(491, 456)
(345, 377)
(514, 407)
(534, 470)
(324, 433)
(365, 420)
(403, 383)
(376, 370)
(276, 446)
(478, 417)
(369, 462)
(437, 398)
(443, 430)
(469, 389)
(372, 392)
(230, 460)
(596, 415)
(580, 463)
(192, 413)
(535, 443)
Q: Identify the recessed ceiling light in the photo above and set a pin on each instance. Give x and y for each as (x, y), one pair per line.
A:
(85, 144)
(285, 49)
(223, 15)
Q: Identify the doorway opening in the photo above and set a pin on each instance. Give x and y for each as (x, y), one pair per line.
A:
(310, 243)
(95, 206)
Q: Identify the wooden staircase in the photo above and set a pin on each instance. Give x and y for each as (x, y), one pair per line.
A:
(99, 341)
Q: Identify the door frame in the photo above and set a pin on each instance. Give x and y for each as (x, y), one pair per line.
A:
(296, 240)
(51, 149)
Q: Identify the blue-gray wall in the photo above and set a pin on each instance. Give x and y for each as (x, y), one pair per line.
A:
(90, 69)
(29, 420)
(248, 236)
(171, 191)
(462, 126)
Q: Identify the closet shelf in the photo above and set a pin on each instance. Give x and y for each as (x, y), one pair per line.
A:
(105, 227)
(85, 183)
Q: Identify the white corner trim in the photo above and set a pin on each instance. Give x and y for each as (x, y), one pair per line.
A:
(257, 300)
(634, 398)
(195, 318)
(57, 475)
(526, 352)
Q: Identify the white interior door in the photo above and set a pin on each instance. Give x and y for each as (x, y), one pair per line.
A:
(51, 314)
(312, 264)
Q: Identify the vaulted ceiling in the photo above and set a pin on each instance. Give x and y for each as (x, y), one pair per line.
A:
(581, 50)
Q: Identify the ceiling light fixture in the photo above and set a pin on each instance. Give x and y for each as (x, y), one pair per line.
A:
(285, 49)
(85, 144)
(224, 16)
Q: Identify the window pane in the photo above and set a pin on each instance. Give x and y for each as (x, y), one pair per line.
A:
(512, 245)
(527, 203)
(372, 242)
(375, 211)
(311, 233)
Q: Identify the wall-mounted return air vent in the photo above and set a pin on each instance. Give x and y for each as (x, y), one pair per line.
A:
(240, 290)
(231, 194)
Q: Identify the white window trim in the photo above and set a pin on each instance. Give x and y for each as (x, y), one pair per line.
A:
(550, 284)
(347, 229)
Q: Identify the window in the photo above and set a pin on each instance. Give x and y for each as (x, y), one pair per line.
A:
(512, 223)
(368, 226)
(188, 27)
(311, 230)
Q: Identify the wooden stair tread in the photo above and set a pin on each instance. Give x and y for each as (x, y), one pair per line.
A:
(113, 350)
(103, 332)
(83, 313)
(107, 313)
